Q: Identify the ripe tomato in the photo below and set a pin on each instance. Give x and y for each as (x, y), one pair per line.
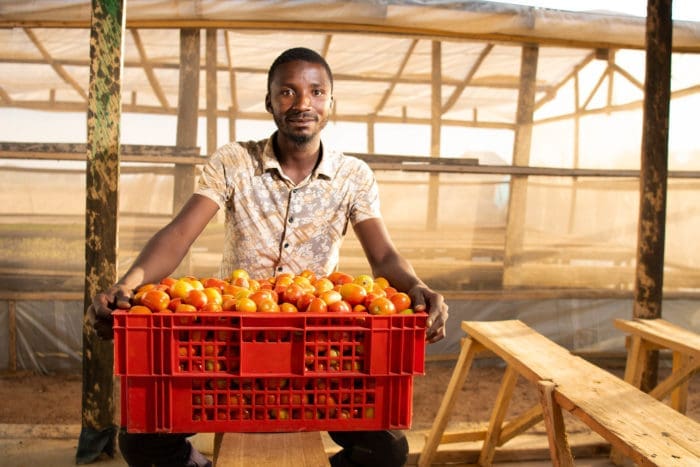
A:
(401, 301)
(267, 305)
(353, 293)
(389, 291)
(304, 301)
(213, 295)
(155, 299)
(239, 273)
(331, 296)
(212, 307)
(288, 308)
(382, 306)
(185, 308)
(381, 282)
(292, 294)
(341, 306)
(140, 310)
(246, 305)
(263, 294)
(366, 281)
(371, 297)
(196, 298)
(168, 281)
(322, 285)
(174, 302)
(214, 282)
(308, 274)
(180, 289)
(359, 308)
(338, 277)
(317, 305)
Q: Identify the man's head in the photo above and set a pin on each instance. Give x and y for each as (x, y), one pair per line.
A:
(299, 96)
(298, 53)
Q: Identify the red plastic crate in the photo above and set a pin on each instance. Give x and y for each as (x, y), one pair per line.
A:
(212, 372)
(176, 404)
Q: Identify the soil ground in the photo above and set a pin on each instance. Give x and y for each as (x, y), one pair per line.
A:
(39, 404)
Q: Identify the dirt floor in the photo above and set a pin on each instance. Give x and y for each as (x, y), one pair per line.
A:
(56, 400)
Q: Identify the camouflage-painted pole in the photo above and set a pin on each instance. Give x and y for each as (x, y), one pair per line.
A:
(107, 30)
(654, 173)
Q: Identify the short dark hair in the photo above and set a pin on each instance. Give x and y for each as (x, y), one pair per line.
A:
(298, 53)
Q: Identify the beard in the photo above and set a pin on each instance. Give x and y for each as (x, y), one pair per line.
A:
(298, 138)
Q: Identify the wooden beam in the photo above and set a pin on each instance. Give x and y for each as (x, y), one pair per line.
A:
(395, 79)
(12, 336)
(211, 89)
(517, 200)
(573, 74)
(148, 70)
(467, 79)
(435, 133)
(60, 71)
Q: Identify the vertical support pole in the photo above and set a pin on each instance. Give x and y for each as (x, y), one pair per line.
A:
(517, 202)
(435, 129)
(211, 91)
(370, 136)
(648, 290)
(187, 114)
(101, 221)
(12, 336)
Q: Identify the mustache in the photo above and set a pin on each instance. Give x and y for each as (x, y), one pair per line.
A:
(301, 115)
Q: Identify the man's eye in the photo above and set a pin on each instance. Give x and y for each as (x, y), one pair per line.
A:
(287, 92)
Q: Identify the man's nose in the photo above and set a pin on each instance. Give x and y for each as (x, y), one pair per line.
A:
(303, 101)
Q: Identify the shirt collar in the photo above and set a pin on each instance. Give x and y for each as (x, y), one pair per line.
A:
(330, 160)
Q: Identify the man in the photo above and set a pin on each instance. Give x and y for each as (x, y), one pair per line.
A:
(288, 201)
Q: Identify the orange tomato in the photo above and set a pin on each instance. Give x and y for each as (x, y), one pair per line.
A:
(308, 274)
(239, 273)
(366, 281)
(268, 305)
(214, 282)
(155, 299)
(292, 294)
(213, 295)
(212, 307)
(341, 306)
(168, 281)
(353, 293)
(381, 282)
(359, 308)
(401, 301)
(262, 294)
(287, 307)
(304, 301)
(382, 306)
(331, 296)
(196, 298)
(322, 285)
(317, 305)
(389, 291)
(140, 310)
(246, 305)
(338, 277)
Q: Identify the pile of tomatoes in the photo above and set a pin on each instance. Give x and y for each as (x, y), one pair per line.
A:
(338, 292)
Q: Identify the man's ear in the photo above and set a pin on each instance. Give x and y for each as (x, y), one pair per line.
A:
(268, 103)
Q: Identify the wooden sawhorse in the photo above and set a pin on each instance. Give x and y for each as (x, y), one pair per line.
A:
(636, 424)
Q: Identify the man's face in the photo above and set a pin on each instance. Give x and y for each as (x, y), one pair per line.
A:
(299, 100)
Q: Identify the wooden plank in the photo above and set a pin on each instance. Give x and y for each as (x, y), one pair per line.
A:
(296, 449)
(664, 333)
(12, 336)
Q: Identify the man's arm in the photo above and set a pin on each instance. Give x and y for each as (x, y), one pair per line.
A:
(159, 258)
(386, 262)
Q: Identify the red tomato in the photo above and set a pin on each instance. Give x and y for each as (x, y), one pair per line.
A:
(338, 277)
(317, 305)
(155, 299)
(382, 306)
(196, 298)
(401, 301)
(353, 293)
(341, 306)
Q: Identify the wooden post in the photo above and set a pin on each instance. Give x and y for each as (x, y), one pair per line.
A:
(648, 290)
(517, 202)
(12, 336)
(187, 113)
(102, 204)
(211, 91)
(435, 129)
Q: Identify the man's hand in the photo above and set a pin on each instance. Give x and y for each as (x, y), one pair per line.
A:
(99, 313)
(424, 299)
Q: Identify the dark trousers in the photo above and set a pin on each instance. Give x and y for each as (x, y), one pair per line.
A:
(360, 448)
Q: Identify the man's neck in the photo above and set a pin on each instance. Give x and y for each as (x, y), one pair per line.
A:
(297, 160)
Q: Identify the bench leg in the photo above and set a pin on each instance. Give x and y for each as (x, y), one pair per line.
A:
(466, 356)
(556, 430)
(679, 396)
(505, 392)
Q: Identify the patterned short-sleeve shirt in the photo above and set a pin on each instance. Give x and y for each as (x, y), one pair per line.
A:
(273, 225)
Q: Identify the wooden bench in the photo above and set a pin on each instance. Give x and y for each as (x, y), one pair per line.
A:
(637, 425)
(298, 449)
(646, 335)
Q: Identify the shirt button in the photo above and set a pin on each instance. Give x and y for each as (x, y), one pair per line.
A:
(286, 245)
(291, 219)
(279, 269)
(294, 190)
